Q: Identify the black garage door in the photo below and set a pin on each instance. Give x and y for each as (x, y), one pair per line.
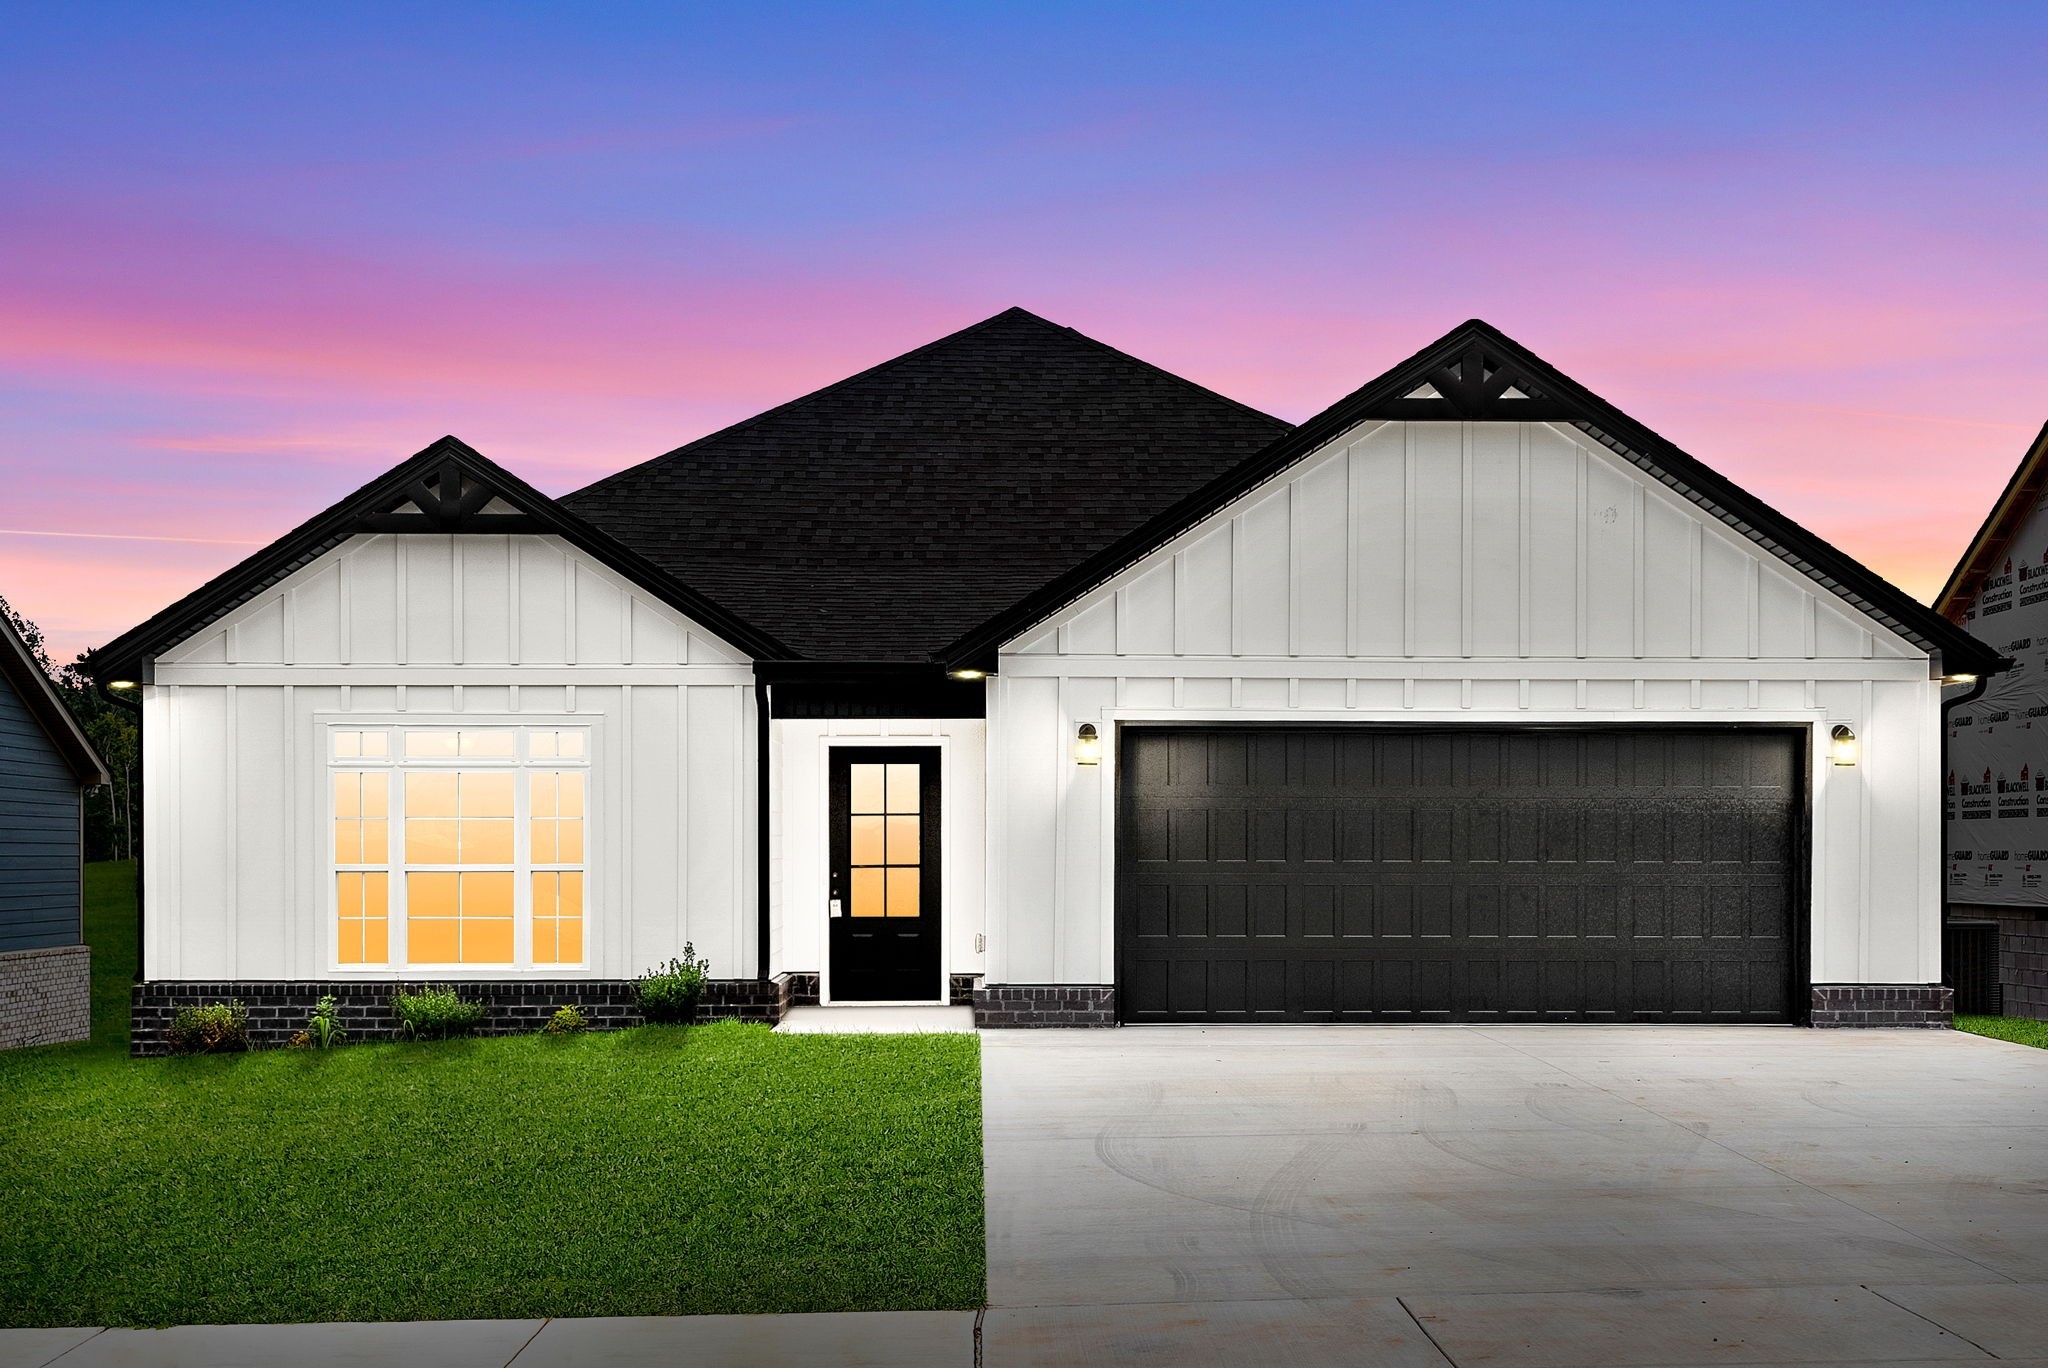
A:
(1459, 875)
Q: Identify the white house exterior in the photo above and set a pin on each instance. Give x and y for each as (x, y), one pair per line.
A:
(1467, 700)
(420, 635)
(1467, 575)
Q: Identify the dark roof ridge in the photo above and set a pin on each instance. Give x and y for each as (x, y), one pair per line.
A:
(1013, 312)
(1158, 370)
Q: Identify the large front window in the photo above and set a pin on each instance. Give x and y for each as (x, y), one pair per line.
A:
(459, 846)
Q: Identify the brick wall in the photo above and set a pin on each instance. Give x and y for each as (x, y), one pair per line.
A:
(278, 1010)
(2022, 955)
(1045, 1004)
(1882, 1004)
(45, 995)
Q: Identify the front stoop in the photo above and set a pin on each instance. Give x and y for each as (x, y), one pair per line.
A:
(858, 1020)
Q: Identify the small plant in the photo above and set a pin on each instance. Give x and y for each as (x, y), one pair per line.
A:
(566, 1021)
(668, 993)
(216, 1028)
(323, 1029)
(430, 1013)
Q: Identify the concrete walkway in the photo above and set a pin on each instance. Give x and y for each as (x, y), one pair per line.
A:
(1522, 1197)
(877, 1020)
(1542, 1197)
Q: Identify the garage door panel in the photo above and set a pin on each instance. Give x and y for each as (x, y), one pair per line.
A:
(1477, 875)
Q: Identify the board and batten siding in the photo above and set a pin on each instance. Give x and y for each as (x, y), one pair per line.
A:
(39, 834)
(1464, 572)
(425, 628)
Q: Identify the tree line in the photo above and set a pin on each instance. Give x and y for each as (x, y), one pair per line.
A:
(113, 812)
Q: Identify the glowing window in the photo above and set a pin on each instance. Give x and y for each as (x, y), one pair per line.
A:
(886, 863)
(459, 846)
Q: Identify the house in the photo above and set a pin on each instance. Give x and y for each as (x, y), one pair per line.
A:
(46, 765)
(1016, 671)
(1996, 777)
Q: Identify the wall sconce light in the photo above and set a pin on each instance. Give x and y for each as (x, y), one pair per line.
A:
(1843, 745)
(1087, 745)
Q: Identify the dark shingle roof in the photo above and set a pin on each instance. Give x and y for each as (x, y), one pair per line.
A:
(881, 517)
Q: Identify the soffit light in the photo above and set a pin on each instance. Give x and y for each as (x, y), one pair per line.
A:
(1959, 679)
(122, 684)
(967, 674)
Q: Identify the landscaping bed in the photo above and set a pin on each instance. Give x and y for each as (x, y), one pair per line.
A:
(662, 1170)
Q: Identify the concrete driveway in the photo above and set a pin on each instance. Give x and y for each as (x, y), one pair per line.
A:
(1560, 1196)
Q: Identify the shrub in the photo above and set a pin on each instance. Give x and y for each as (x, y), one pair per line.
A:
(212, 1029)
(430, 1013)
(668, 993)
(565, 1021)
(323, 1029)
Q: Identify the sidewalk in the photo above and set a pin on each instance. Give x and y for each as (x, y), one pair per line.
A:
(879, 1339)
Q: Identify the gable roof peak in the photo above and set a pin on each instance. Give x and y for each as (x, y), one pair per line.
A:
(20, 669)
(1475, 372)
(2009, 513)
(447, 486)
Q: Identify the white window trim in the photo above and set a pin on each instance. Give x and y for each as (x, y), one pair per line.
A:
(396, 764)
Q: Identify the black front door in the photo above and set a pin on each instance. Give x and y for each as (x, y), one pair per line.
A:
(884, 936)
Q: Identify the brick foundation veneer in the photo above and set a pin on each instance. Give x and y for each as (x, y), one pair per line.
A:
(1044, 1004)
(45, 995)
(1882, 1004)
(278, 1010)
(2022, 955)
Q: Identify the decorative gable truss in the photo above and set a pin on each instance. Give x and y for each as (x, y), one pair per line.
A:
(448, 498)
(447, 488)
(1477, 383)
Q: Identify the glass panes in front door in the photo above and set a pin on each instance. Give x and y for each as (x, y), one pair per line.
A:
(885, 819)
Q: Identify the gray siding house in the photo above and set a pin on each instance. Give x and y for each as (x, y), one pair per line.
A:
(46, 764)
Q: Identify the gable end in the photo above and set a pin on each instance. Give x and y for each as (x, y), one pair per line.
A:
(449, 487)
(1469, 375)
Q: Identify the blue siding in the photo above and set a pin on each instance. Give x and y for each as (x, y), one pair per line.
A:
(39, 807)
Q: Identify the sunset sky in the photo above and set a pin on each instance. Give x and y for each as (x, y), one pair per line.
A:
(252, 255)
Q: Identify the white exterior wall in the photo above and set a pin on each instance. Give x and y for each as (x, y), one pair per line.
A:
(425, 628)
(1446, 573)
(799, 851)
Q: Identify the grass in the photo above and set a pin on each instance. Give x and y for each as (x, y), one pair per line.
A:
(658, 1171)
(2019, 1030)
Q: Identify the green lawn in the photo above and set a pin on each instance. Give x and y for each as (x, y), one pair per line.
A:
(663, 1170)
(2016, 1029)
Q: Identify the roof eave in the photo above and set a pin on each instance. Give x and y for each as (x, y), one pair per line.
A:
(40, 697)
